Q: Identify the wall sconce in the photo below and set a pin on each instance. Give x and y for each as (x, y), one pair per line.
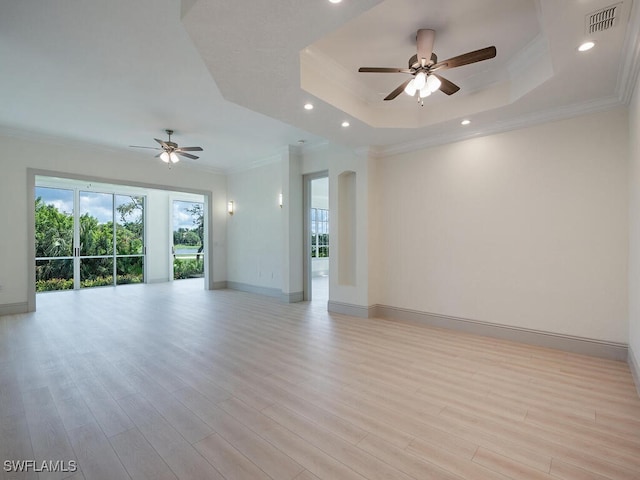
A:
(230, 207)
(280, 200)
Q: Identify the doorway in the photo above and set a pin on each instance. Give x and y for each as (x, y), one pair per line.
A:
(187, 239)
(317, 231)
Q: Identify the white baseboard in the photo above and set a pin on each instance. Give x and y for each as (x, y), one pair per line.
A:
(220, 285)
(14, 308)
(568, 343)
(350, 309)
(293, 297)
(634, 366)
(245, 287)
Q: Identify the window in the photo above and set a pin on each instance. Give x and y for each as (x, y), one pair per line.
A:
(319, 233)
(87, 238)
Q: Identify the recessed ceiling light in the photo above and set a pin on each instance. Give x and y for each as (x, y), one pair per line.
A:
(308, 106)
(465, 122)
(586, 46)
(345, 124)
(335, 1)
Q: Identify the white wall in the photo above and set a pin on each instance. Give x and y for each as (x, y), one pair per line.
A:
(527, 228)
(634, 225)
(158, 236)
(292, 225)
(254, 233)
(356, 294)
(19, 154)
(320, 193)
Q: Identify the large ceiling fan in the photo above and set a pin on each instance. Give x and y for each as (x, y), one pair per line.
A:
(424, 65)
(171, 150)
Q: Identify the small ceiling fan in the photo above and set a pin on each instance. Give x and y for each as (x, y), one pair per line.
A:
(171, 150)
(424, 64)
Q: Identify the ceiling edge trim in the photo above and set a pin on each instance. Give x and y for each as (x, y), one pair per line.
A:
(630, 67)
(276, 157)
(330, 70)
(44, 138)
(41, 137)
(261, 162)
(186, 6)
(562, 113)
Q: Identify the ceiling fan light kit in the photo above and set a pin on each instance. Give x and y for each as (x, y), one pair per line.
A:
(171, 150)
(424, 64)
(169, 157)
(424, 87)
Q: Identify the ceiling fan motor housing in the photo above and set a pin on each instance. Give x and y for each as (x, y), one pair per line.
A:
(414, 63)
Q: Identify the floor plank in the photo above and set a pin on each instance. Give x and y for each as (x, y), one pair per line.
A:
(173, 381)
(139, 458)
(96, 456)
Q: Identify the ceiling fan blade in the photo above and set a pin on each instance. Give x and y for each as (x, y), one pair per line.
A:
(164, 145)
(189, 149)
(138, 146)
(383, 70)
(398, 90)
(466, 58)
(424, 42)
(188, 155)
(446, 86)
(156, 156)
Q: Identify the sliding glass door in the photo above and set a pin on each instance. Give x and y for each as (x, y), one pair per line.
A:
(96, 239)
(88, 239)
(130, 249)
(54, 239)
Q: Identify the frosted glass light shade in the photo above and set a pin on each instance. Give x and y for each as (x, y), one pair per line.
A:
(174, 157)
(410, 89)
(433, 83)
(420, 80)
(164, 156)
(425, 92)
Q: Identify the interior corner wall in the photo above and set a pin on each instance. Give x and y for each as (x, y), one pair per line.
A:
(525, 229)
(254, 232)
(634, 232)
(75, 160)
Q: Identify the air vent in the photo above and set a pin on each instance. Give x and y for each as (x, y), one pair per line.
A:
(603, 19)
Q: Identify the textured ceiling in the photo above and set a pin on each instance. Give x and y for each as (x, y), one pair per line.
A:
(233, 76)
(306, 55)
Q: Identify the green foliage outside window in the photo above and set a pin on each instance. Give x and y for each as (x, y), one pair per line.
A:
(54, 238)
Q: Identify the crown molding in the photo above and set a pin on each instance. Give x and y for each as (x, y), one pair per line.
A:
(48, 139)
(331, 71)
(517, 123)
(277, 157)
(66, 142)
(628, 73)
(261, 162)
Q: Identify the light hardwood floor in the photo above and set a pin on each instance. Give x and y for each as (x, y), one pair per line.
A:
(170, 381)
